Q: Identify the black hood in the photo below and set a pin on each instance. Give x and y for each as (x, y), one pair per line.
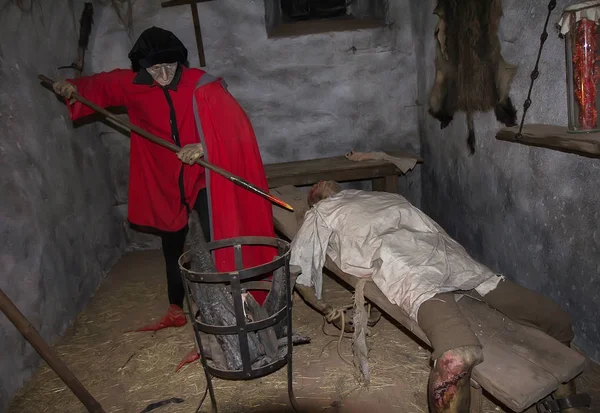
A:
(154, 46)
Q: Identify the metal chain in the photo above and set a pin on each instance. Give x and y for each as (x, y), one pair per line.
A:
(535, 73)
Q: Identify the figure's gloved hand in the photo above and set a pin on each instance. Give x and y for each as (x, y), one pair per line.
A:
(189, 358)
(175, 317)
(190, 153)
(65, 89)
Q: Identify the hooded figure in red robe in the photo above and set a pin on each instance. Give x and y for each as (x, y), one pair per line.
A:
(195, 111)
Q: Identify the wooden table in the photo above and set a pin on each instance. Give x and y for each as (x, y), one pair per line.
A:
(383, 175)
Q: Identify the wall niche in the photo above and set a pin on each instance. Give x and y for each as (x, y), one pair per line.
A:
(290, 18)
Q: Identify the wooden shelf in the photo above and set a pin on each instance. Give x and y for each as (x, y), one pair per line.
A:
(554, 137)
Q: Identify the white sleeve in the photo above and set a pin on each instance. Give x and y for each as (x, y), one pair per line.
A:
(308, 250)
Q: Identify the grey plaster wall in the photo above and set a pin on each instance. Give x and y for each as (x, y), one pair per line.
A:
(59, 231)
(309, 96)
(529, 213)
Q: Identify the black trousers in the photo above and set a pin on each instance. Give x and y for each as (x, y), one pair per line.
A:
(172, 246)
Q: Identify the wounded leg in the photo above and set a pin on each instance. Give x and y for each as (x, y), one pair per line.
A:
(449, 381)
(456, 350)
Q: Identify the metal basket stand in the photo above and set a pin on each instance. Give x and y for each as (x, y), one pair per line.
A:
(239, 281)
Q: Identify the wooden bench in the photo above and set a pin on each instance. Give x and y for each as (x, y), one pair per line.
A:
(384, 175)
(522, 365)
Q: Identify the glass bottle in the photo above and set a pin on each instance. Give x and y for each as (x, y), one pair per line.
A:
(579, 26)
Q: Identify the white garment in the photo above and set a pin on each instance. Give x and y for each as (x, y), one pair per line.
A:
(381, 235)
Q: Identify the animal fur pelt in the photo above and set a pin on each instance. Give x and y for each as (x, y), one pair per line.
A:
(471, 75)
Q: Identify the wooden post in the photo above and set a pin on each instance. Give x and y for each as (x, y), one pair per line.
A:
(476, 397)
(388, 183)
(194, 5)
(34, 338)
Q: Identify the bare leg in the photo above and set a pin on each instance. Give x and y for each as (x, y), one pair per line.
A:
(449, 381)
(456, 350)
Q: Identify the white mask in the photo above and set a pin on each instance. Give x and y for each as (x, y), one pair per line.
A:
(163, 73)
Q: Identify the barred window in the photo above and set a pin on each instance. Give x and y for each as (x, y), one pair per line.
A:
(285, 18)
(313, 9)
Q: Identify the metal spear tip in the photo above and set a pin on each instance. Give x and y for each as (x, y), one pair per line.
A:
(281, 203)
(258, 191)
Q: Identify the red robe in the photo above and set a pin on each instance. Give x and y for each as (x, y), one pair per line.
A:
(229, 142)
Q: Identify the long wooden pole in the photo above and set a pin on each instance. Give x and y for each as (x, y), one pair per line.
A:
(172, 147)
(36, 340)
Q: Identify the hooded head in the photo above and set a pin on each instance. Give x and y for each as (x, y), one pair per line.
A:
(157, 46)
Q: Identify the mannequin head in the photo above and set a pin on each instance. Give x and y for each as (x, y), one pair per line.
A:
(163, 73)
(322, 190)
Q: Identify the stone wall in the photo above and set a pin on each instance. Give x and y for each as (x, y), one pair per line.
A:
(529, 213)
(59, 231)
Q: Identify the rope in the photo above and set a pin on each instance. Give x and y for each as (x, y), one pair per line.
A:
(336, 313)
(330, 317)
(361, 317)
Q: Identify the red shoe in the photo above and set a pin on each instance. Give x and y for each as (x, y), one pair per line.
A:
(175, 317)
(189, 358)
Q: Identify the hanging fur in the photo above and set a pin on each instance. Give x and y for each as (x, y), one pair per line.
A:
(470, 73)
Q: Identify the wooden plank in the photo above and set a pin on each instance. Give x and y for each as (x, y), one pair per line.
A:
(514, 382)
(338, 168)
(476, 398)
(554, 137)
(522, 365)
(527, 342)
(532, 364)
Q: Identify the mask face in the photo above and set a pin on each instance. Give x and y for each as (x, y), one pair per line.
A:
(163, 73)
